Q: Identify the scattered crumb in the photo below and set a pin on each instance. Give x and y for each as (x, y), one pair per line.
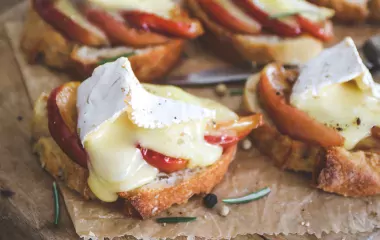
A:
(307, 224)
(205, 216)
(224, 211)
(303, 223)
(43, 164)
(164, 224)
(246, 144)
(221, 89)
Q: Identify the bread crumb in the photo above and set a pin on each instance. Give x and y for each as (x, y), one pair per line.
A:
(163, 224)
(246, 144)
(221, 89)
(303, 223)
(307, 224)
(224, 211)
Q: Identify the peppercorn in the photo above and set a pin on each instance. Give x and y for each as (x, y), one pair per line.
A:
(210, 200)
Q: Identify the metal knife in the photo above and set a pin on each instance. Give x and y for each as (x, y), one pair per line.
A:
(228, 74)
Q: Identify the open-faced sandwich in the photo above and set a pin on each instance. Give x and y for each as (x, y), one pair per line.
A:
(353, 11)
(262, 31)
(323, 119)
(78, 35)
(152, 146)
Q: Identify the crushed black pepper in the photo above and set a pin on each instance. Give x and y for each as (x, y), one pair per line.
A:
(339, 129)
(358, 121)
(278, 93)
(19, 118)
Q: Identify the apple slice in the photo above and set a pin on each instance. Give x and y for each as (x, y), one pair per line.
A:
(285, 27)
(322, 30)
(272, 90)
(64, 16)
(179, 25)
(62, 118)
(119, 33)
(227, 14)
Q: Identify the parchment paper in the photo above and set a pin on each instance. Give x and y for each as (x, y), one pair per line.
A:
(293, 207)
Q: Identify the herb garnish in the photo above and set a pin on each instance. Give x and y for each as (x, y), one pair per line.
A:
(236, 92)
(250, 197)
(56, 203)
(175, 219)
(103, 61)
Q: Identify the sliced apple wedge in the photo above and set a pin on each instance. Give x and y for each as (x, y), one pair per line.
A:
(119, 33)
(229, 15)
(61, 106)
(66, 18)
(284, 27)
(178, 25)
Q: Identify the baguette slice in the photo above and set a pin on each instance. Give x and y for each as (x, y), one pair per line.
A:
(41, 41)
(259, 49)
(144, 202)
(347, 10)
(349, 173)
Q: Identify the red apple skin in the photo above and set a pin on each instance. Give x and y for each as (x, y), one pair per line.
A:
(179, 26)
(226, 19)
(65, 25)
(323, 30)
(62, 122)
(119, 33)
(277, 26)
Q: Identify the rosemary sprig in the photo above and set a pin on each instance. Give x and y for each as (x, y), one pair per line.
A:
(236, 92)
(175, 219)
(56, 203)
(250, 197)
(103, 61)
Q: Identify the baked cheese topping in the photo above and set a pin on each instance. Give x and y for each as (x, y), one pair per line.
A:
(280, 7)
(337, 89)
(161, 8)
(115, 113)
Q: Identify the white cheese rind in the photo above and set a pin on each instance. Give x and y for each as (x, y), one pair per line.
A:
(338, 64)
(113, 89)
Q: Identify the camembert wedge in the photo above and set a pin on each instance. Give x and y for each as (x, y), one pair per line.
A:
(337, 89)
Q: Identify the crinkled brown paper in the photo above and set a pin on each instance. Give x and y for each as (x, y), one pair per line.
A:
(293, 207)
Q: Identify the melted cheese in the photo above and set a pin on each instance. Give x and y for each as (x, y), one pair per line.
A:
(280, 7)
(337, 89)
(110, 135)
(162, 8)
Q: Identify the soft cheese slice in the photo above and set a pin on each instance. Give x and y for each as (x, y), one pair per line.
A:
(280, 7)
(337, 89)
(116, 113)
(113, 89)
(162, 8)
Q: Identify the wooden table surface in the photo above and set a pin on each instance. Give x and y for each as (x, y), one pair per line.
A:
(21, 218)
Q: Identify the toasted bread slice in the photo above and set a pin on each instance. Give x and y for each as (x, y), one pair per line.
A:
(349, 173)
(374, 6)
(144, 202)
(41, 41)
(260, 49)
(346, 10)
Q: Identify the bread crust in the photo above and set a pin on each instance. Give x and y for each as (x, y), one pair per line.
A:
(143, 202)
(347, 11)
(353, 173)
(260, 49)
(40, 41)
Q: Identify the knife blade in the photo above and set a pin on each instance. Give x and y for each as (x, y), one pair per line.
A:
(211, 76)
